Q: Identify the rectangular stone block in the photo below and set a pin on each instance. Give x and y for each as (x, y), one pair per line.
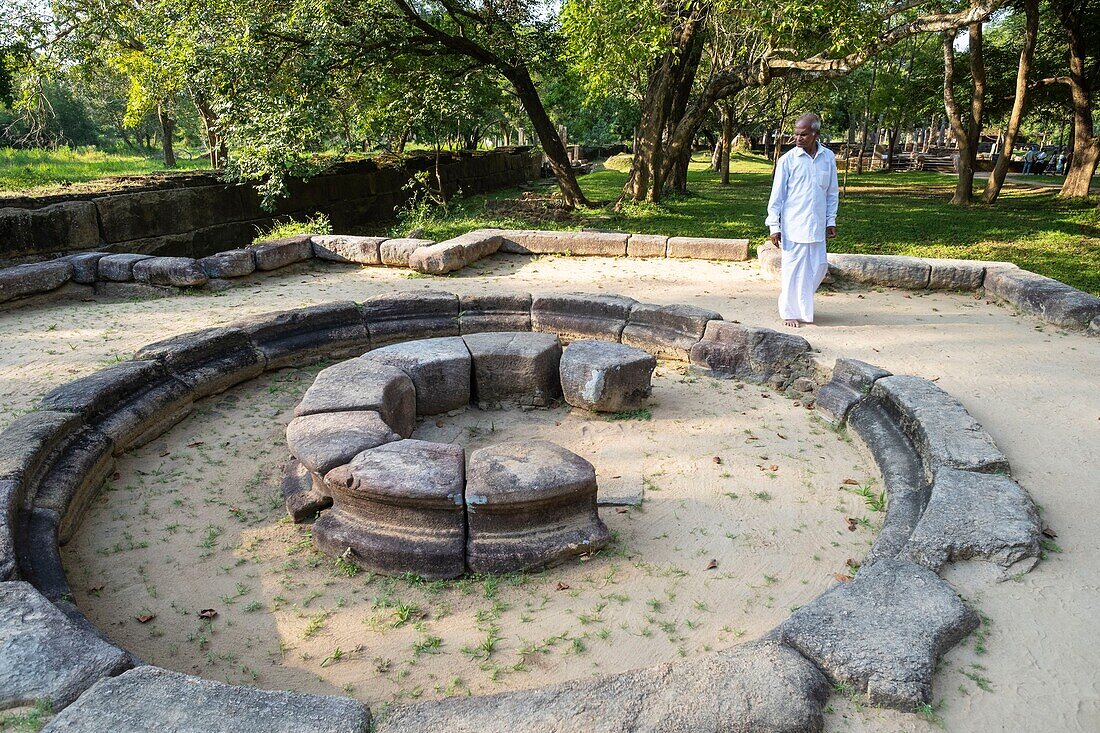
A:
(708, 248)
(230, 263)
(646, 245)
(131, 403)
(889, 270)
(746, 352)
(396, 252)
(410, 314)
(303, 336)
(535, 241)
(39, 277)
(177, 272)
(454, 254)
(208, 361)
(581, 316)
(667, 331)
(85, 266)
(66, 225)
(1050, 300)
(119, 268)
(346, 248)
(770, 260)
(949, 274)
(278, 253)
(479, 312)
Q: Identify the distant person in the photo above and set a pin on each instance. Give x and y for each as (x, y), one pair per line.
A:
(1060, 167)
(1029, 160)
(1041, 163)
(801, 216)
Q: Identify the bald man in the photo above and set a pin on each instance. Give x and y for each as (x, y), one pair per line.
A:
(801, 216)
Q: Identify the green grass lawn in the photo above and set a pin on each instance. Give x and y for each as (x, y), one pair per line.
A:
(32, 171)
(880, 213)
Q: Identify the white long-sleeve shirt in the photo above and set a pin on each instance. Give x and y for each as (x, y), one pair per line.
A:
(804, 195)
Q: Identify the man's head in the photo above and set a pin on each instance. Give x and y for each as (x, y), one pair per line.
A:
(806, 130)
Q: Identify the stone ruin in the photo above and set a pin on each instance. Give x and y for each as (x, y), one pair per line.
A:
(395, 505)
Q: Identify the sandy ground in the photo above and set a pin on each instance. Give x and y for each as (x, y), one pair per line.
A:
(193, 521)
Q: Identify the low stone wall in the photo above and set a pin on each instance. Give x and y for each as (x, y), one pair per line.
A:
(196, 215)
(879, 633)
(1052, 301)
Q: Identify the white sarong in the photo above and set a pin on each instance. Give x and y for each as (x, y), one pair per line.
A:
(803, 268)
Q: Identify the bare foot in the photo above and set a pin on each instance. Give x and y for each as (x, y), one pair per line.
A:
(790, 322)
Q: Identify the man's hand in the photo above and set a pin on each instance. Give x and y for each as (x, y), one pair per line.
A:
(775, 238)
(830, 232)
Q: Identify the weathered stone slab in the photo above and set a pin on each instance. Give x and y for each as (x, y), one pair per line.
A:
(399, 508)
(761, 687)
(396, 252)
(360, 384)
(177, 272)
(39, 277)
(454, 254)
(45, 655)
(306, 335)
(530, 505)
(977, 515)
(481, 312)
(230, 263)
(325, 440)
(303, 493)
(347, 248)
(514, 367)
(770, 259)
(65, 225)
(409, 314)
(131, 403)
(708, 248)
(667, 331)
(944, 433)
(208, 361)
(606, 377)
(119, 268)
(882, 632)
(71, 481)
(85, 266)
(890, 270)
(149, 698)
(132, 290)
(746, 352)
(439, 368)
(646, 245)
(951, 274)
(581, 315)
(537, 241)
(11, 500)
(1053, 301)
(38, 554)
(851, 382)
(276, 253)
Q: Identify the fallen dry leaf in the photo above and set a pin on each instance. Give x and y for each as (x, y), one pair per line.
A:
(196, 444)
(851, 524)
(164, 452)
(766, 395)
(439, 423)
(712, 564)
(207, 613)
(95, 589)
(563, 586)
(621, 510)
(850, 482)
(717, 459)
(781, 435)
(145, 618)
(842, 578)
(773, 467)
(1049, 533)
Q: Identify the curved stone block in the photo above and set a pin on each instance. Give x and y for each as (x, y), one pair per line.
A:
(302, 492)
(454, 254)
(119, 268)
(646, 245)
(398, 507)
(150, 698)
(537, 241)
(37, 552)
(944, 433)
(306, 335)
(45, 655)
(230, 263)
(71, 481)
(439, 369)
(581, 316)
(515, 367)
(761, 687)
(396, 252)
(708, 248)
(346, 248)
(131, 403)
(770, 259)
(1041, 296)
(850, 383)
(977, 515)
(882, 632)
(38, 277)
(890, 270)
(746, 352)
(408, 314)
(667, 331)
(85, 266)
(482, 312)
(177, 272)
(208, 361)
(359, 384)
(325, 440)
(530, 505)
(606, 377)
(276, 253)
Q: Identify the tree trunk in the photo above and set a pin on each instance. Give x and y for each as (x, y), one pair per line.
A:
(214, 146)
(552, 146)
(716, 155)
(1000, 169)
(1086, 145)
(727, 142)
(892, 143)
(967, 136)
(167, 127)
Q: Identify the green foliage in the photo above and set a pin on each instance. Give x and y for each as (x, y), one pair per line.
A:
(25, 170)
(316, 224)
(29, 721)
